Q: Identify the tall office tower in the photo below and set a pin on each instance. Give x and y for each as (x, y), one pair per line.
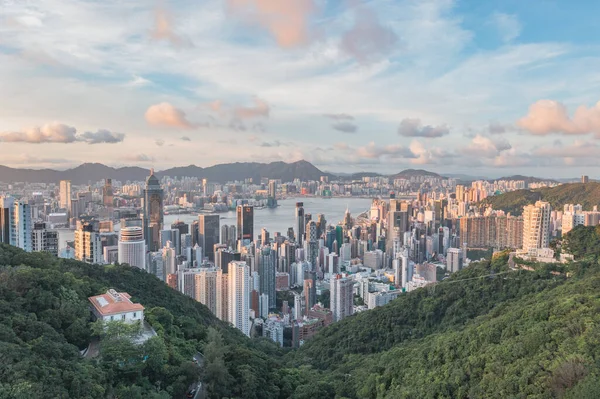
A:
(406, 269)
(454, 260)
(169, 260)
(288, 252)
(6, 219)
(153, 212)
(225, 257)
(232, 236)
(183, 227)
(347, 223)
(342, 297)
(206, 288)
(239, 296)
(330, 238)
(267, 270)
(205, 187)
(88, 246)
(585, 179)
(300, 223)
(132, 247)
(321, 225)
(225, 236)
(21, 225)
(107, 193)
(208, 234)
(65, 195)
(536, 226)
(310, 290)
(245, 223)
(272, 194)
(312, 244)
(194, 232)
(264, 237)
(43, 239)
(170, 235)
(290, 234)
(223, 293)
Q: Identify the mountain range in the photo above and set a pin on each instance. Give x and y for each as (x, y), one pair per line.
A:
(93, 172)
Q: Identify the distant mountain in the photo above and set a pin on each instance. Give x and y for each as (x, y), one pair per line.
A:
(587, 195)
(408, 173)
(93, 172)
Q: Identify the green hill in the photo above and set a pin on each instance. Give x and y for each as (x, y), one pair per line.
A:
(44, 322)
(587, 195)
(514, 334)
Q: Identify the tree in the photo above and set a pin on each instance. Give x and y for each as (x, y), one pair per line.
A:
(216, 375)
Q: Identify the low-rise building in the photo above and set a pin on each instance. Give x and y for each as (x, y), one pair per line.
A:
(116, 306)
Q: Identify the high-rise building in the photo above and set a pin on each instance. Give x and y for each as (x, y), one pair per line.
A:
(321, 225)
(132, 247)
(107, 193)
(88, 245)
(312, 243)
(153, 212)
(265, 239)
(300, 223)
(169, 260)
(310, 290)
(239, 296)
(6, 219)
(454, 260)
(272, 194)
(536, 226)
(341, 297)
(21, 225)
(267, 270)
(585, 179)
(208, 234)
(43, 239)
(245, 223)
(206, 288)
(65, 195)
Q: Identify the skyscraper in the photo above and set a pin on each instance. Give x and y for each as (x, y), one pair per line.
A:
(239, 296)
(88, 246)
(272, 194)
(65, 195)
(107, 193)
(153, 212)
(300, 223)
(310, 290)
(6, 219)
(312, 243)
(208, 234)
(206, 288)
(245, 223)
(43, 239)
(454, 260)
(21, 225)
(266, 259)
(536, 226)
(342, 297)
(132, 247)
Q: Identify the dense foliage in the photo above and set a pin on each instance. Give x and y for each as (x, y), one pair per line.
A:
(485, 332)
(587, 195)
(45, 322)
(583, 242)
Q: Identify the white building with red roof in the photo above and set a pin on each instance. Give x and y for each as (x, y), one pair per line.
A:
(116, 306)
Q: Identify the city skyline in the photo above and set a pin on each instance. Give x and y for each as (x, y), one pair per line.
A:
(383, 86)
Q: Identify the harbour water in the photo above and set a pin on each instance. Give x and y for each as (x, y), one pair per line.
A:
(275, 219)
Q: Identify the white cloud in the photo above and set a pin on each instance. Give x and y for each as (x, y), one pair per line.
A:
(548, 116)
(167, 115)
(60, 133)
(508, 25)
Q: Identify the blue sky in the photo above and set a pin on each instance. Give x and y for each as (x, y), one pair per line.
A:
(479, 87)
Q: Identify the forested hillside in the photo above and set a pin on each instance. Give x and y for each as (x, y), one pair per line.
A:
(587, 195)
(44, 322)
(486, 332)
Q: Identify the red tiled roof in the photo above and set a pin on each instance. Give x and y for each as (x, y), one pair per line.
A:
(106, 304)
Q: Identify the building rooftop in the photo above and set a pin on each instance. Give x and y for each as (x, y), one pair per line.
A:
(114, 302)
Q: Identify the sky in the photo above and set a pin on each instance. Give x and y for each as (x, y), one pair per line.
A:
(486, 88)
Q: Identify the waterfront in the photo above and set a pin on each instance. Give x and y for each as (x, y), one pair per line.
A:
(274, 219)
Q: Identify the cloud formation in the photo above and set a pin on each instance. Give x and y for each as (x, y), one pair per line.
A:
(508, 26)
(163, 27)
(548, 116)
(185, 138)
(343, 122)
(140, 158)
(373, 151)
(482, 146)
(368, 39)
(166, 115)
(413, 128)
(288, 21)
(260, 109)
(159, 142)
(60, 133)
